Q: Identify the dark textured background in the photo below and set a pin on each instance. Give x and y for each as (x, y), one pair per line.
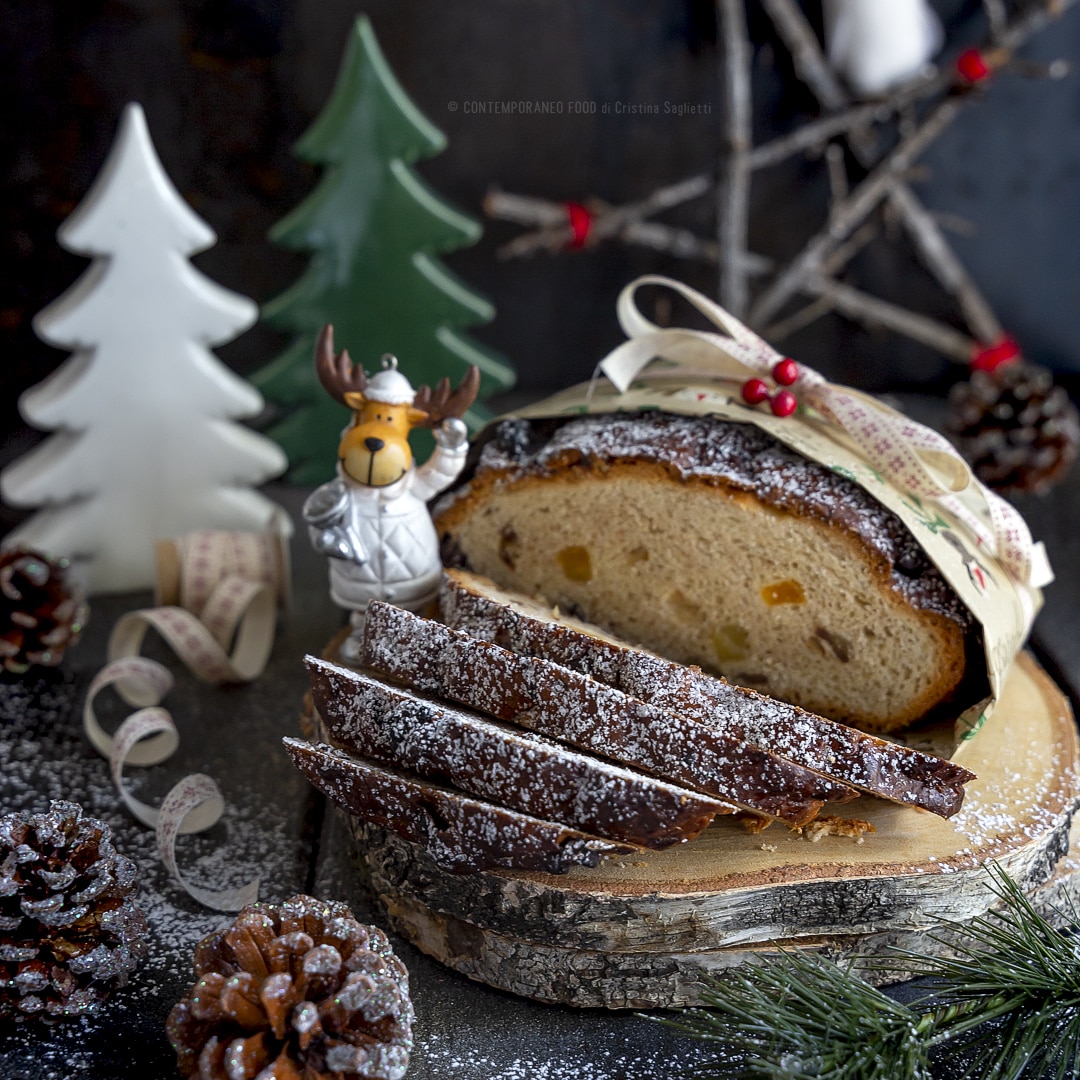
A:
(228, 85)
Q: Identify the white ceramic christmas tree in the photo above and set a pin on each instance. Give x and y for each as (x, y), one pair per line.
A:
(144, 446)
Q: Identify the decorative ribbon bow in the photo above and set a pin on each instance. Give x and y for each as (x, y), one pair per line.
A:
(913, 458)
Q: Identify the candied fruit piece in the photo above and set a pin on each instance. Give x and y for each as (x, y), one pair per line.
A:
(731, 642)
(788, 591)
(575, 563)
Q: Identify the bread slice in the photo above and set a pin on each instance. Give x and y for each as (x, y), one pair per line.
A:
(521, 624)
(565, 705)
(512, 768)
(461, 834)
(713, 544)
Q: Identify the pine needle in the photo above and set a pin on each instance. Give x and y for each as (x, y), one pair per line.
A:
(800, 1017)
(1005, 1006)
(1010, 997)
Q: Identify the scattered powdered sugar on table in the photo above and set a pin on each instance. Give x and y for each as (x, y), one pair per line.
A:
(44, 756)
(609, 1056)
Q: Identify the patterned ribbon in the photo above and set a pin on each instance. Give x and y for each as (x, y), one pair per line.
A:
(228, 585)
(912, 457)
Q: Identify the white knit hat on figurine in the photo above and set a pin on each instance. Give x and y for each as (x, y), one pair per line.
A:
(389, 386)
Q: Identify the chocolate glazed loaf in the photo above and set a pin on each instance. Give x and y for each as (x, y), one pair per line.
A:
(565, 705)
(710, 543)
(503, 765)
(518, 623)
(460, 833)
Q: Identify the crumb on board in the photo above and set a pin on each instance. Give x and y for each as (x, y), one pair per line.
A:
(753, 823)
(855, 828)
(829, 825)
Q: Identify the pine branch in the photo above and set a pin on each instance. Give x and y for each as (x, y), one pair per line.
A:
(801, 1017)
(1007, 1005)
(1014, 965)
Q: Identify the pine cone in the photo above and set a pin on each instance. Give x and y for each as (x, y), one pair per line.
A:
(295, 991)
(41, 612)
(1019, 431)
(69, 928)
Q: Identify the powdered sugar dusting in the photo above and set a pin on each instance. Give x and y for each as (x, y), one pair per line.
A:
(530, 773)
(566, 705)
(882, 768)
(460, 834)
(609, 1057)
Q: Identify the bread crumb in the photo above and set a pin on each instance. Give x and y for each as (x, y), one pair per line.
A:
(752, 823)
(768, 847)
(854, 828)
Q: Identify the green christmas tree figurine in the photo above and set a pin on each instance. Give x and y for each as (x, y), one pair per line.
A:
(374, 230)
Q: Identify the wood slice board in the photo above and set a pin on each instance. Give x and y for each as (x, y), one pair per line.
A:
(640, 931)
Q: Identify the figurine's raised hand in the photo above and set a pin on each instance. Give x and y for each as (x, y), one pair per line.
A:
(452, 433)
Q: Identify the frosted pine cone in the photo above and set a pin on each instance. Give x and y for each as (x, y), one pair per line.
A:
(295, 991)
(69, 928)
(41, 612)
(1018, 430)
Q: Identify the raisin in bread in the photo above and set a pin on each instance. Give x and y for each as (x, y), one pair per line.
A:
(512, 768)
(563, 704)
(712, 544)
(877, 767)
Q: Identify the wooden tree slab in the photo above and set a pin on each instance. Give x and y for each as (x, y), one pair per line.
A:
(640, 931)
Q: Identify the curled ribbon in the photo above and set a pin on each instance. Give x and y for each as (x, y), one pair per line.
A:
(228, 586)
(912, 457)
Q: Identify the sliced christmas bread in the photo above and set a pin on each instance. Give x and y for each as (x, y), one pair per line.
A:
(712, 544)
(460, 833)
(563, 704)
(515, 769)
(523, 625)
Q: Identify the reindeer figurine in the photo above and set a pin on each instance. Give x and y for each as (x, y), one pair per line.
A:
(372, 520)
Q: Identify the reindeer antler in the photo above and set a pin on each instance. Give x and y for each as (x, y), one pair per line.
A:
(441, 404)
(338, 374)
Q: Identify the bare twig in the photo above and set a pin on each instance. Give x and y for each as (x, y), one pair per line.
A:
(997, 17)
(935, 252)
(681, 243)
(874, 312)
(524, 209)
(849, 213)
(843, 253)
(837, 169)
(926, 235)
(554, 232)
(1031, 22)
(810, 63)
(804, 316)
(527, 244)
(663, 198)
(733, 190)
(802, 43)
(816, 133)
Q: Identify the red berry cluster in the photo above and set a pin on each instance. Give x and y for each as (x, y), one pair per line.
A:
(786, 373)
